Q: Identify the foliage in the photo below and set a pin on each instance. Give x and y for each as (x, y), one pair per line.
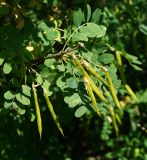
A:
(77, 60)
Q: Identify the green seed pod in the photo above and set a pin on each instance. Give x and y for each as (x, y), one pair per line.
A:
(97, 91)
(92, 84)
(51, 109)
(130, 92)
(123, 78)
(111, 88)
(90, 93)
(118, 118)
(118, 57)
(119, 67)
(94, 73)
(113, 116)
(39, 121)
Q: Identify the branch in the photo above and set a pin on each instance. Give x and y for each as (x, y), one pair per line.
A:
(57, 55)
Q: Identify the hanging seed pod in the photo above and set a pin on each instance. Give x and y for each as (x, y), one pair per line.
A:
(119, 66)
(51, 109)
(39, 121)
(92, 84)
(130, 92)
(113, 116)
(97, 91)
(111, 88)
(118, 118)
(123, 78)
(94, 73)
(90, 93)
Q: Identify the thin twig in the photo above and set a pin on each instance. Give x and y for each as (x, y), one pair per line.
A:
(57, 55)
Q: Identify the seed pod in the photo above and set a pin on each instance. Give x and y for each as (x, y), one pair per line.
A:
(92, 84)
(123, 78)
(118, 118)
(94, 73)
(111, 88)
(79, 65)
(51, 109)
(39, 121)
(89, 91)
(118, 57)
(130, 92)
(97, 91)
(119, 67)
(113, 116)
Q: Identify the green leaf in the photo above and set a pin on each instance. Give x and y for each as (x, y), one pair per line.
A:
(133, 60)
(42, 37)
(51, 77)
(112, 70)
(7, 105)
(78, 17)
(79, 37)
(143, 28)
(87, 54)
(26, 90)
(1, 60)
(117, 83)
(7, 68)
(9, 95)
(39, 79)
(61, 67)
(71, 83)
(136, 67)
(73, 100)
(49, 33)
(15, 82)
(44, 72)
(19, 110)
(96, 16)
(49, 62)
(93, 30)
(22, 99)
(46, 86)
(60, 83)
(32, 116)
(80, 111)
(106, 58)
(88, 12)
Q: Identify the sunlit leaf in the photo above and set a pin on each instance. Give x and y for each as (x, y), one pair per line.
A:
(93, 30)
(7, 68)
(96, 15)
(71, 83)
(73, 100)
(78, 17)
(9, 95)
(22, 99)
(80, 111)
(26, 90)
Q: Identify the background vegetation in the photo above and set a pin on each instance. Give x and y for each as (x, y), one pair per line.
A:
(37, 45)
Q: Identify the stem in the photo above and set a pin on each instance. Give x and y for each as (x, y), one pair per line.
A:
(72, 35)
